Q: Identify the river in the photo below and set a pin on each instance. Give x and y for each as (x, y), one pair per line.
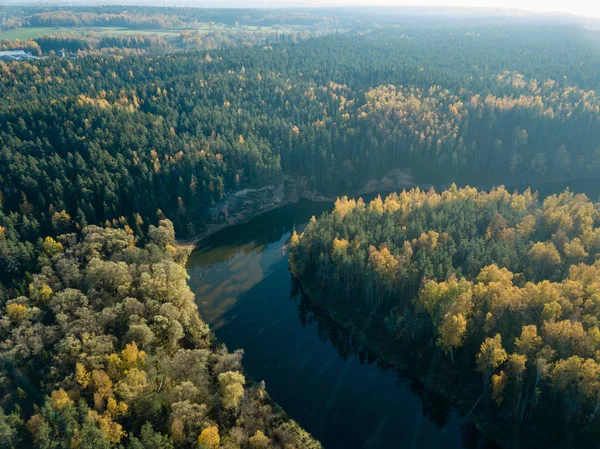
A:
(311, 366)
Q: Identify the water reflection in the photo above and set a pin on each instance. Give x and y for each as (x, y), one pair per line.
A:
(314, 368)
(434, 407)
(255, 235)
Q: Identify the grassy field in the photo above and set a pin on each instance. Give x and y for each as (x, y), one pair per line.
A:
(116, 31)
(33, 32)
(28, 33)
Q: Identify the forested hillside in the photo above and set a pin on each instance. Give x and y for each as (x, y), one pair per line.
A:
(106, 349)
(502, 284)
(80, 30)
(126, 138)
(152, 17)
(100, 340)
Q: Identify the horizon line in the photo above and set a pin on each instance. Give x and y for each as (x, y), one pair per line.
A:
(495, 10)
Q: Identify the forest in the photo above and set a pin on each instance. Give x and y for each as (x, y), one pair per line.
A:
(134, 29)
(124, 138)
(105, 348)
(148, 17)
(494, 285)
(101, 341)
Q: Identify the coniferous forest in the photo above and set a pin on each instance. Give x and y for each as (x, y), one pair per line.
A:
(502, 286)
(113, 150)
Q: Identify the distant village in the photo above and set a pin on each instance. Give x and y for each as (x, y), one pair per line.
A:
(21, 55)
(16, 55)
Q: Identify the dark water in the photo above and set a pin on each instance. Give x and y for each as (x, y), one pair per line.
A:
(311, 366)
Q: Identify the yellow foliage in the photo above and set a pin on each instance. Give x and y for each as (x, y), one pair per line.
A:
(132, 356)
(339, 247)
(115, 408)
(51, 246)
(589, 385)
(426, 240)
(259, 441)
(210, 438)
(491, 355)
(294, 239)
(527, 225)
(544, 252)
(133, 384)
(343, 206)
(114, 365)
(231, 385)
(529, 342)
(60, 399)
(102, 383)
(171, 249)
(111, 430)
(391, 203)
(376, 205)
(384, 262)
(82, 376)
(492, 273)
(45, 293)
(499, 382)
(452, 331)
(42, 294)
(16, 312)
(575, 251)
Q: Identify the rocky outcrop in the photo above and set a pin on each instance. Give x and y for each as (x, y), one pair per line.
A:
(247, 203)
(243, 205)
(395, 179)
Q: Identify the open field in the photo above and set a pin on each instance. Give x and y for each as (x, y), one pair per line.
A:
(28, 33)
(34, 32)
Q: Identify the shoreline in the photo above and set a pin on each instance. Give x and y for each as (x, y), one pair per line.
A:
(406, 368)
(213, 228)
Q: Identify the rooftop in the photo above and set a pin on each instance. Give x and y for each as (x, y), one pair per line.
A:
(13, 53)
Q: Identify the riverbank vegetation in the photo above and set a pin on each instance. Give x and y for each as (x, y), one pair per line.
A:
(124, 138)
(105, 348)
(97, 136)
(504, 285)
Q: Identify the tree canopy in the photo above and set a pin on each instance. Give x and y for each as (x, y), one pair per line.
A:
(503, 284)
(107, 349)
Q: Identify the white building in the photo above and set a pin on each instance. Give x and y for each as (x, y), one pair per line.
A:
(16, 55)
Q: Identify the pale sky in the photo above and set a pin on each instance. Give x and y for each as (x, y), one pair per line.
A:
(590, 8)
(579, 7)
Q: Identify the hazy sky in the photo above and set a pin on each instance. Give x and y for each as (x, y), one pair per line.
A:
(581, 7)
(589, 8)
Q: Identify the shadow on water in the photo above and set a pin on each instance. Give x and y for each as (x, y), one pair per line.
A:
(264, 230)
(327, 381)
(313, 367)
